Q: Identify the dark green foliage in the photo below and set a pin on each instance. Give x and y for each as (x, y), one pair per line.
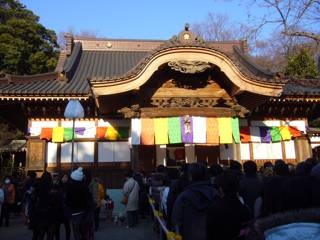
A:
(26, 47)
(302, 65)
(9, 132)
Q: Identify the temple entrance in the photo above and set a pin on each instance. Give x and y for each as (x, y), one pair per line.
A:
(174, 155)
(207, 153)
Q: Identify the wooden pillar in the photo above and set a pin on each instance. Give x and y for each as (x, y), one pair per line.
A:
(303, 148)
(96, 157)
(135, 157)
(59, 157)
(236, 152)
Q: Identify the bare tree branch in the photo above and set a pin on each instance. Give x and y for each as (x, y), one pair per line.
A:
(313, 36)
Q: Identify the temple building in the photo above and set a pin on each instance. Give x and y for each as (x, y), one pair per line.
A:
(150, 102)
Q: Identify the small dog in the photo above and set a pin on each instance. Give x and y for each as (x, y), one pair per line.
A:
(119, 219)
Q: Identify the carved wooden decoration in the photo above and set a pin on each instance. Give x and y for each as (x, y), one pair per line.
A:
(36, 155)
(189, 66)
(130, 112)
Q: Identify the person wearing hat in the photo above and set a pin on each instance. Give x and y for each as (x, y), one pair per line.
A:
(77, 200)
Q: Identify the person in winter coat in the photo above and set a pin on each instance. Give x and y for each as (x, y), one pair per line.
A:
(42, 213)
(66, 211)
(131, 191)
(189, 211)
(250, 186)
(78, 202)
(227, 215)
(9, 200)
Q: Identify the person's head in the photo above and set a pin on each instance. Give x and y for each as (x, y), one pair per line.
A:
(128, 174)
(250, 168)
(77, 175)
(7, 180)
(65, 178)
(267, 165)
(312, 161)
(281, 169)
(46, 178)
(215, 170)
(279, 161)
(161, 169)
(31, 175)
(227, 184)
(267, 172)
(235, 165)
(196, 172)
(303, 168)
(55, 178)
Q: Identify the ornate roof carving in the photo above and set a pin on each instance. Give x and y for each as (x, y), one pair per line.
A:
(189, 66)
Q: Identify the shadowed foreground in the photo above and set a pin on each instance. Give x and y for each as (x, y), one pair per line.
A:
(18, 231)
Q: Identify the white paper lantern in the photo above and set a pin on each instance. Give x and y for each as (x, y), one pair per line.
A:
(74, 110)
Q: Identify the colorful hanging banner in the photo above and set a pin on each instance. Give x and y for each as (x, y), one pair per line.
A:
(35, 131)
(225, 130)
(161, 130)
(135, 131)
(112, 134)
(174, 130)
(275, 134)
(57, 134)
(212, 131)
(46, 133)
(67, 134)
(187, 129)
(147, 131)
(265, 134)
(245, 136)
(199, 129)
(79, 130)
(123, 133)
(285, 133)
(101, 132)
(235, 130)
(294, 131)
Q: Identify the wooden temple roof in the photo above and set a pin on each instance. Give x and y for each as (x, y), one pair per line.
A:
(104, 61)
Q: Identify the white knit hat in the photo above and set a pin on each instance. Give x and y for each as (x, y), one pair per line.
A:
(77, 175)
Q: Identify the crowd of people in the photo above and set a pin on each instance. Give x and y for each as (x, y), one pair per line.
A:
(199, 202)
(237, 202)
(52, 200)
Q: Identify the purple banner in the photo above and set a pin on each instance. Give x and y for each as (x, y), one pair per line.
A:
(79, 130)
(186, 129)
(265, 134)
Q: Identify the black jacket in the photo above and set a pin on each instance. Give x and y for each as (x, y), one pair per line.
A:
(189, 210)
(78, 197)
(226, 217)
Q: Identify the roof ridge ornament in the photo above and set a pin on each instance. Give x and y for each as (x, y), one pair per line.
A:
(187, 38)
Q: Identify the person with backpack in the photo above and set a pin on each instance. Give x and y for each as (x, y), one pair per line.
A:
(189, 210)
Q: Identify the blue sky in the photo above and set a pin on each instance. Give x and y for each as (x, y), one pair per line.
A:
(131, 19)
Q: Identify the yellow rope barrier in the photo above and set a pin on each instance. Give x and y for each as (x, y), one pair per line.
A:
(159, 216)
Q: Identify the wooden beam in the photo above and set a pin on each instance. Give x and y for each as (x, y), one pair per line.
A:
(171, 112)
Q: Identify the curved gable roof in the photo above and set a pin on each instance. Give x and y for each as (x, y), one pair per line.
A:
(105, 67)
